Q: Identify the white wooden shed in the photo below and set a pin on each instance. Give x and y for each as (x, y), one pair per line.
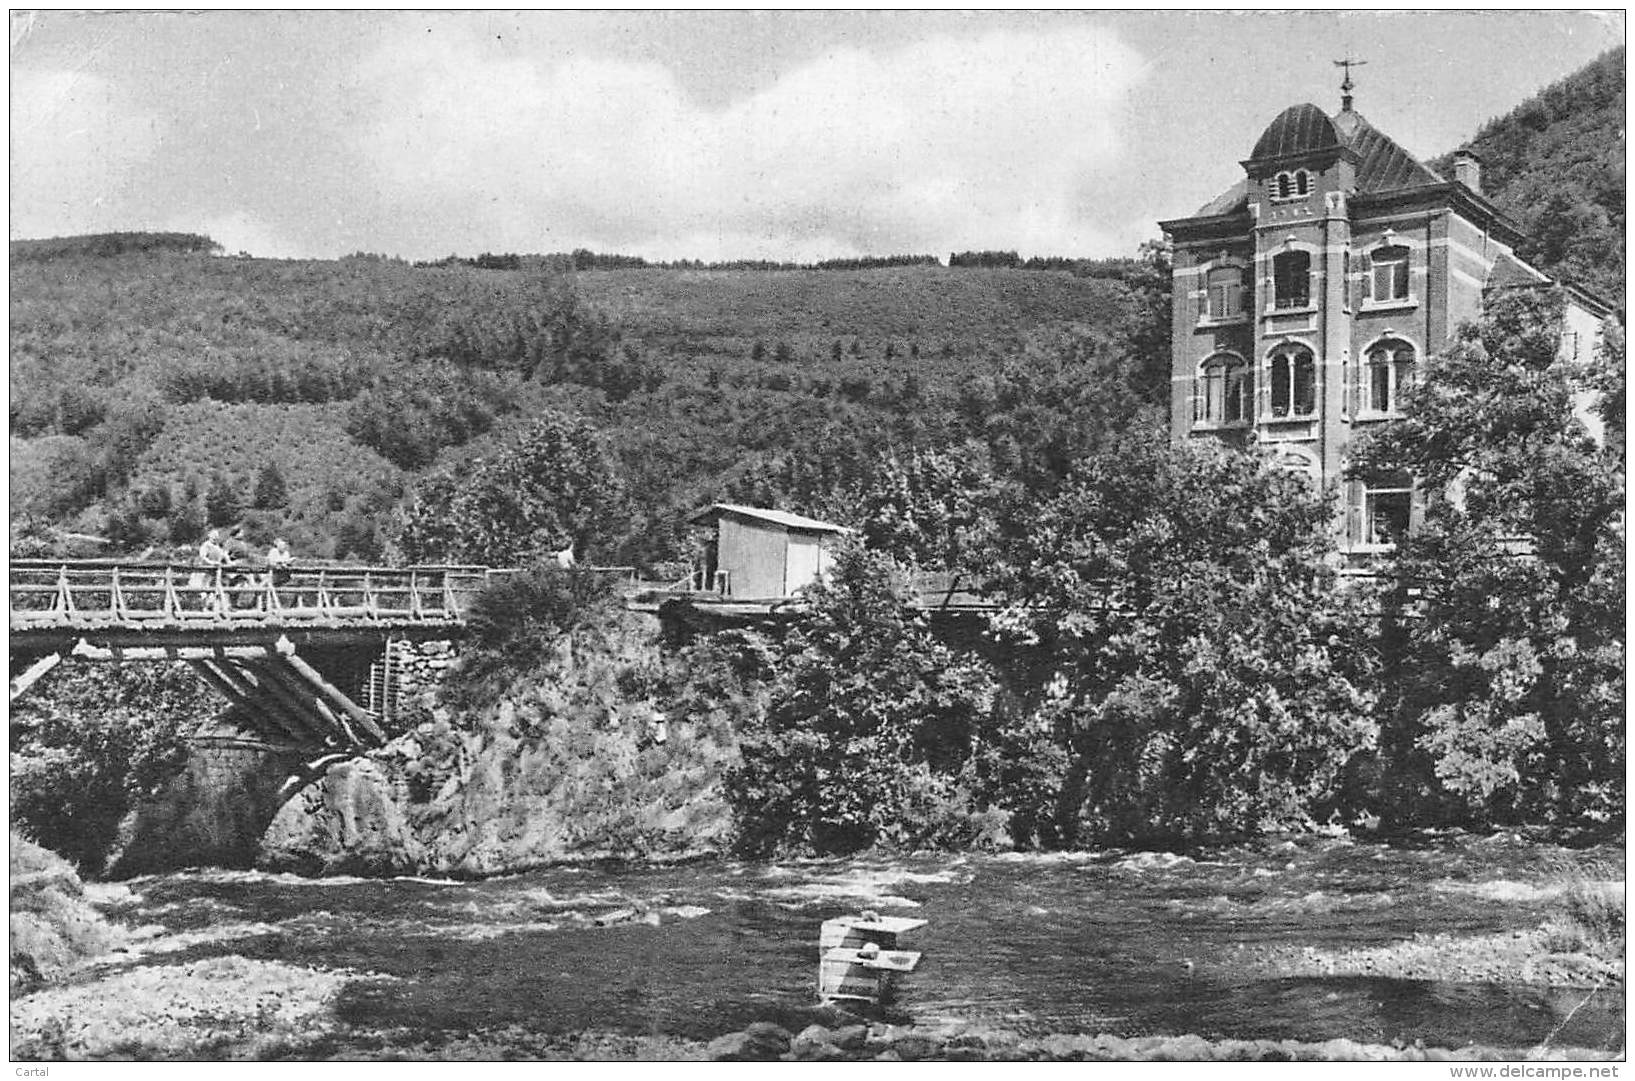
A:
(760, 554)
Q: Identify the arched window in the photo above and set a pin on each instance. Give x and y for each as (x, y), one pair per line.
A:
(1291, 279)
(1388, 272)
(1389, 367)
(1225, 292)
(1224, 391)
(1295, 185)
(1293, 382)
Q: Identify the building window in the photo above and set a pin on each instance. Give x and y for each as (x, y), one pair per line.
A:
(1293, 382)
(1388, 273)
(1223, 392)
(1291, 279)
(1295, 185)
(1225, 293)
(1387, 509)
(1390, 370)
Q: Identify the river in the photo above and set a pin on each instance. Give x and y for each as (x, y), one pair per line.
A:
(1223, 944)
(1118, 943)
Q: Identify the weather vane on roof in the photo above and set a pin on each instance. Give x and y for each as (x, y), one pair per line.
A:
(1345, 87)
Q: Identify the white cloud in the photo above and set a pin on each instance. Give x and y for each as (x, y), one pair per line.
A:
(75, 144)
(947, 142)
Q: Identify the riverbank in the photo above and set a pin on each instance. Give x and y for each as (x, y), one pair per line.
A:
(233, 1009)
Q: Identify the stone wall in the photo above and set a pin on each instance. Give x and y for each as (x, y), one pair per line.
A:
(215, 810)
(409, 675)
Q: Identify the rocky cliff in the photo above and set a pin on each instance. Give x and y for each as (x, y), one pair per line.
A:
(576, 756)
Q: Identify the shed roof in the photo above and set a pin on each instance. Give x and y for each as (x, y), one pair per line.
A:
(776, 517)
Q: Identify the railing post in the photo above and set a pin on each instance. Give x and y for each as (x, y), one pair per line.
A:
(220, 598)
(451, 608)
(173, 603)
(323, 592)
(116, 596)
(370, 609)
(414, 595)
(65, 596)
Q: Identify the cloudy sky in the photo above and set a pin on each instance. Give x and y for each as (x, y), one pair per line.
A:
(713, 134)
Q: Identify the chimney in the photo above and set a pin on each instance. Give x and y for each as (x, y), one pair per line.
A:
(1467, 169)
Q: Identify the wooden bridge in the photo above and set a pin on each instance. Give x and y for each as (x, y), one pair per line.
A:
(306, 651)
(298, 649)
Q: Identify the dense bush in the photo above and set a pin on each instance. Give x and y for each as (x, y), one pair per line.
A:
(869, 722)
(87, 744)
(519, 617)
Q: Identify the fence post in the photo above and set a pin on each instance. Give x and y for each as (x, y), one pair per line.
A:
(65, 596)
(173, 603)
(116, 596)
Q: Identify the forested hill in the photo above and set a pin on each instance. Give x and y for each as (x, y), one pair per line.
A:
(1556, 164)
(157, 390)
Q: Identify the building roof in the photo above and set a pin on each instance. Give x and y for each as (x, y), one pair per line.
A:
(1382, 165)
(1508, 270)
(776, 517)
(1299, 129)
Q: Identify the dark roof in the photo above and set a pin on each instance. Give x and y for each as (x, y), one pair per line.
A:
(776, 517)
(1229, 201)
(1298, 129)
(1508, 270)
(1382, 165)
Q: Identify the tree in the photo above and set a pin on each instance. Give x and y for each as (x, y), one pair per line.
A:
(554, 483)
(868, 723)
(1188, 649)
(221, 501)
(270, 489)
(928, 509)
(1509, 673)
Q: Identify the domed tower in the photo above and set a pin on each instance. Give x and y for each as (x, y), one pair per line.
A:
(1307, 296)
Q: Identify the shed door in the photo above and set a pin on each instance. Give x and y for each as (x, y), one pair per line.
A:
(802, 567)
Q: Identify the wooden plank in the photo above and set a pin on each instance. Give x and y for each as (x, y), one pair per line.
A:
(875, 961)
(857, 931)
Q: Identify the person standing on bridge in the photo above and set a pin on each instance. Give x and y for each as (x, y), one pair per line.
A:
(214, 555)
(278, 571)
(279, 560)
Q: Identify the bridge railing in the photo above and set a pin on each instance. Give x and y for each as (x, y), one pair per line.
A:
(48, 593)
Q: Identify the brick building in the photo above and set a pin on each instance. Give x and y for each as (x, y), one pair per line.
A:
(1306, 296)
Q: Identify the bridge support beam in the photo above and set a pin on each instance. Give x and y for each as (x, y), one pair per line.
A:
(33, 674)
(293, 687)
(237, 690)
(356, 713)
